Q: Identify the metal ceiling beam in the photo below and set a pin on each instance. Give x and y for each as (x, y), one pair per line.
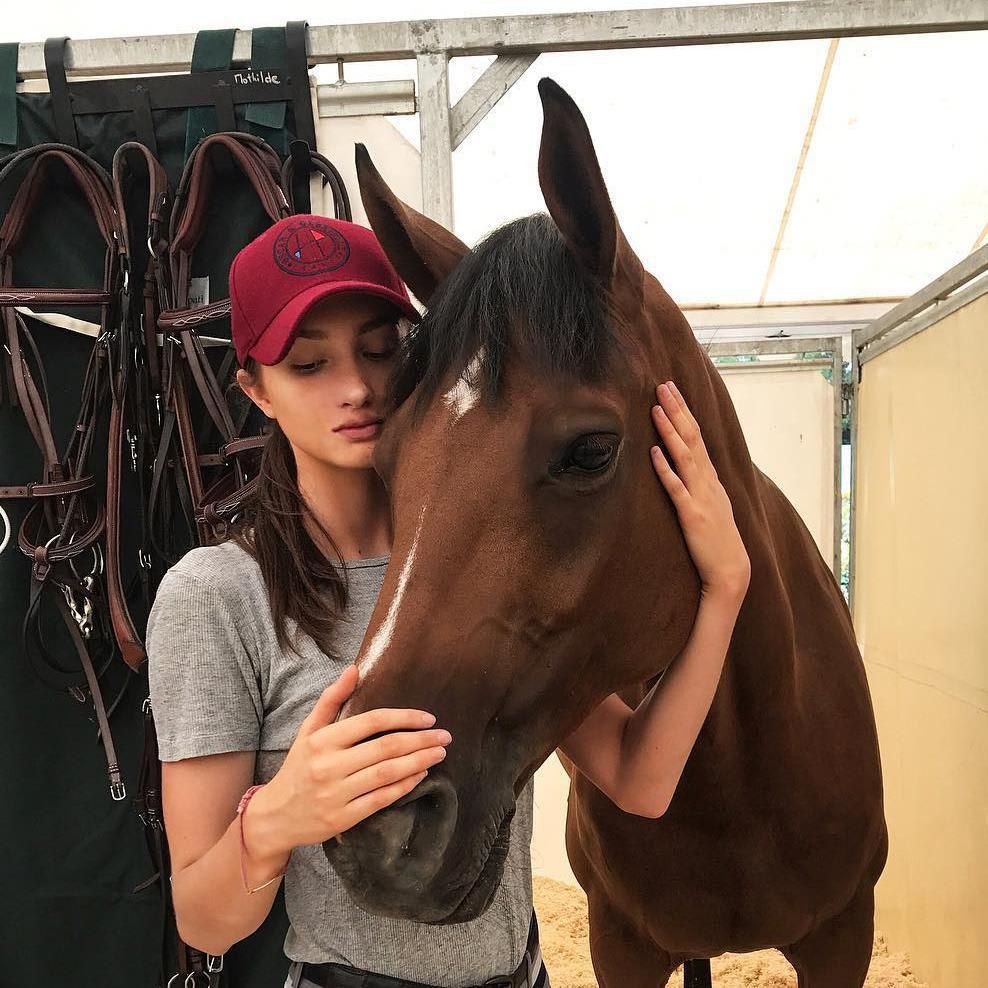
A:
(790, 316)
(937, 291)
(657, 27)
(485, 93)
(362, 99)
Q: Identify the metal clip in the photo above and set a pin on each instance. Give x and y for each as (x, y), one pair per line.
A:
(118, 791)
(214, 964)
(83, 615)
(132, 442)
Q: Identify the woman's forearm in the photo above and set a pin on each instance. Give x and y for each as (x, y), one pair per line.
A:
(212, 909)
(659, 734)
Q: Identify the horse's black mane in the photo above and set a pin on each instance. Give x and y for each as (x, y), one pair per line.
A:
(520, 289)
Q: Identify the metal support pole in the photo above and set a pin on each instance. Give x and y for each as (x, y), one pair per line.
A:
(853, 413)
(436, 136)
(837, 381)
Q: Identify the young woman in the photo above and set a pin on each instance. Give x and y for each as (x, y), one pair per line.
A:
(251, 644)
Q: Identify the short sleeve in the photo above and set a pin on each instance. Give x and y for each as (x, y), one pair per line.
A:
(205, 693)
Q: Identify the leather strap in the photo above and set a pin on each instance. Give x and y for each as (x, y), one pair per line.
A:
(58, 86)
(309, 161)
(268, 51)
(66, 520)
(59, 489)
(297, 43)
(182, 323)
(8, 94)
(117, 788)
(143, 120)
(213, 49)
(135, 172)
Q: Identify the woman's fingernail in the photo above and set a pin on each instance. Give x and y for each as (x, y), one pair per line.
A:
(445, 737)
(439, 753)
(428, 719)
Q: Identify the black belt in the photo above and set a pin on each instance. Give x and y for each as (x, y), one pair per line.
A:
(526, 975)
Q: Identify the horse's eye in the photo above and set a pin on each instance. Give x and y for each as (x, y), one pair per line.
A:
(588, 455)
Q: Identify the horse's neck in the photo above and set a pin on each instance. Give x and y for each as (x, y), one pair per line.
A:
(757, 684)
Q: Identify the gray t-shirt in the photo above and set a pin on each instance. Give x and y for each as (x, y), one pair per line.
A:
(220, 682)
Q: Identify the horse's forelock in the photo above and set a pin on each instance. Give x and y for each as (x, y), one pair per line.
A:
(519, 291)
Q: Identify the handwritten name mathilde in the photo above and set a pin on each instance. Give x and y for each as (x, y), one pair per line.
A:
(256, 75)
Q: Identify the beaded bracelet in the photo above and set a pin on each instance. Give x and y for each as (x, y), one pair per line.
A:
(241, 806)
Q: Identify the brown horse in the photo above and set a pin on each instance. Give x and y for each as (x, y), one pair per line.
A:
(537, 568)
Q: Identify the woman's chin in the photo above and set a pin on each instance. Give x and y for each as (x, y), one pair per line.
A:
(358, 456)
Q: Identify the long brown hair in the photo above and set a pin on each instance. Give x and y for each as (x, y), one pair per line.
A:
(303, 583)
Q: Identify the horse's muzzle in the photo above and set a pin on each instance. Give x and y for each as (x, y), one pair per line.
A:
(390, 859)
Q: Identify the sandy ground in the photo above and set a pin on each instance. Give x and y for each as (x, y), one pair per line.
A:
(562, 913)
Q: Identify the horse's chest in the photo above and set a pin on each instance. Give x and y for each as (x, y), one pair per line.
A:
(698, 879)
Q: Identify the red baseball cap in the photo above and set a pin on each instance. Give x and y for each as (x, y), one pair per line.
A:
(294, 264)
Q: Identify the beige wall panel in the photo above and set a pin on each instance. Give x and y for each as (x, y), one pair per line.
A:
(921, 618)
(395, 158)
(549, 832)
(787, 416)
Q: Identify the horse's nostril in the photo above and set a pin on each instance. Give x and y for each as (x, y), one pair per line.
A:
(416, 828)
(432, 788)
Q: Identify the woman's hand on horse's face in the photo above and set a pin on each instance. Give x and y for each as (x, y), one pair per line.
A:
(700, 500)
(337, 773)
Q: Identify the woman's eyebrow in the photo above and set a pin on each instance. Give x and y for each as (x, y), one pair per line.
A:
(376, 323)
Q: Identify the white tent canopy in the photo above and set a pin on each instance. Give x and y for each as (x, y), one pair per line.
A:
(771, 173)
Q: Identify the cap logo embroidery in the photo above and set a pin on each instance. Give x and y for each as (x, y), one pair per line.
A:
(310, 248)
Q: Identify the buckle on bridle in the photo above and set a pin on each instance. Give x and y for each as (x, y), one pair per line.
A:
(118, 791)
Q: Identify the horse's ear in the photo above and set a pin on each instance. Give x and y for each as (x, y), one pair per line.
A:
(422, 251)
(574, 188)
